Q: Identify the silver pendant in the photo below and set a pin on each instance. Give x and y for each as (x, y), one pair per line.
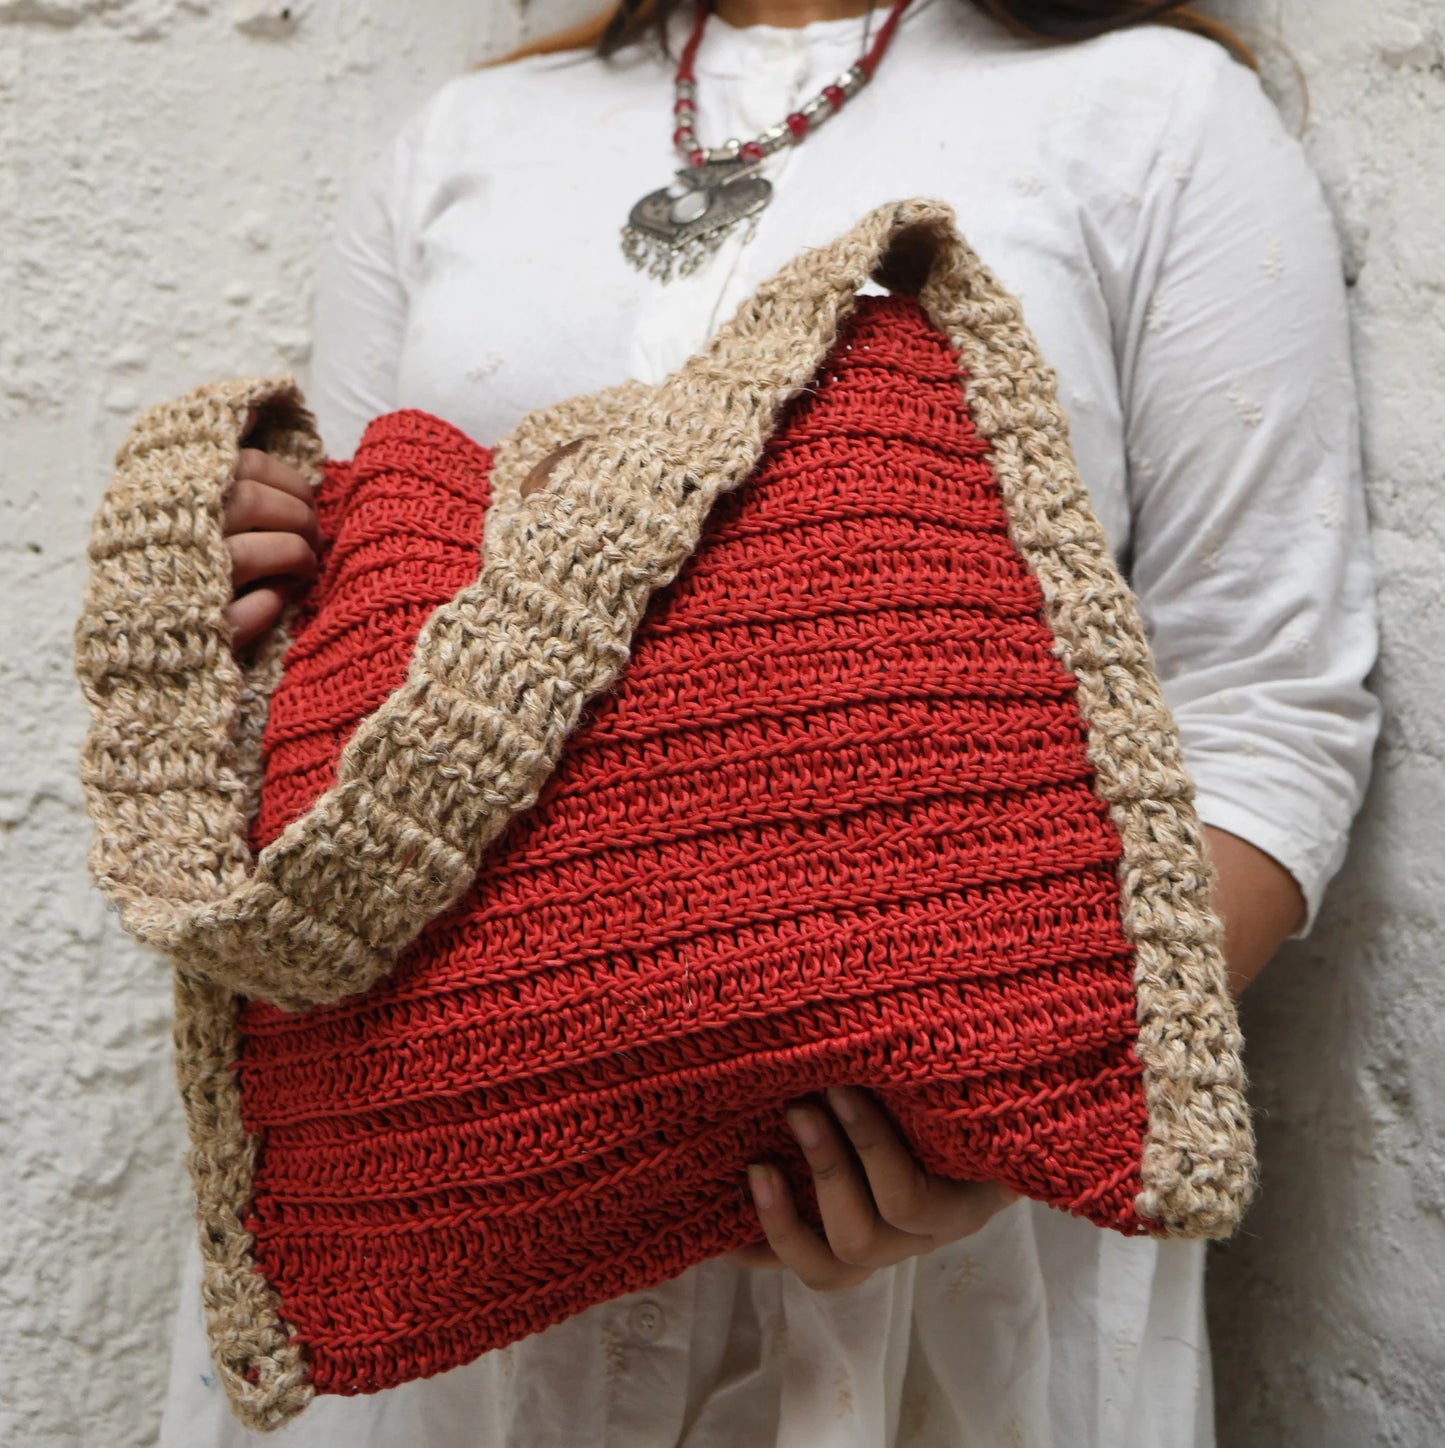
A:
(672, 230)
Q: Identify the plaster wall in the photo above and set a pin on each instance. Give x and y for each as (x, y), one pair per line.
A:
(1328, 1312)
(168, 172)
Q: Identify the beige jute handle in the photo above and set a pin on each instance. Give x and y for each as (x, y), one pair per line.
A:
(498, 680)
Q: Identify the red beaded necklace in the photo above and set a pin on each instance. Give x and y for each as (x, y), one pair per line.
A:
(671, 230)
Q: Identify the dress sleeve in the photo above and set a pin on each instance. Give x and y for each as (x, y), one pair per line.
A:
(359, 315)
(1249, 548)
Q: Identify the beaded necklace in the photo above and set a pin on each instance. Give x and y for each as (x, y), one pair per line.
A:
(673, 229)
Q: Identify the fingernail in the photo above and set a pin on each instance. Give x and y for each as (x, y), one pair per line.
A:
(845, 1108)
(761, 1183)
(805, 1126)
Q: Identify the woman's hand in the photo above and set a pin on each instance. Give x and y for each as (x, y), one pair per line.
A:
(878, 1205)
(271, 530)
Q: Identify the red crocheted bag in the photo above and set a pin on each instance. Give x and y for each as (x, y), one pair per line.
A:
(885, 794)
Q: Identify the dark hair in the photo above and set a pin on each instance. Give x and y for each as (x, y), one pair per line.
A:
(1053, 20)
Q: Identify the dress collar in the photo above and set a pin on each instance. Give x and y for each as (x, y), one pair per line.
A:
(733, 50)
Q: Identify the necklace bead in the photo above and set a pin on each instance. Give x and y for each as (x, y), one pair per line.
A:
(829, 101)
(672, 230)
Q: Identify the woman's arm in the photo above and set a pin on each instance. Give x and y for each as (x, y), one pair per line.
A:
(359, 317)
(1250, 552)
(270, 524)
(1257, 899)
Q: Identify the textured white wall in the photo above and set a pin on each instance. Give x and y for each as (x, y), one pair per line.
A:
(1328, 1314)
(168, 171)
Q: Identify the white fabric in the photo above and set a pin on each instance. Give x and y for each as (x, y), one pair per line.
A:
(1176, 260)
(1041, 1331)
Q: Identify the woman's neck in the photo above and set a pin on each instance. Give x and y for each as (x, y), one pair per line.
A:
(788, 13)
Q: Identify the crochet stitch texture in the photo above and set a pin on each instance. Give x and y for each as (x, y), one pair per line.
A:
(880, 789)
(836, 822)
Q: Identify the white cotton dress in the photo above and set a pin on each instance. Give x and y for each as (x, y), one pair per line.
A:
(1176, 260)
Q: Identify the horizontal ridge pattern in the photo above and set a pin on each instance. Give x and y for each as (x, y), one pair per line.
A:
(836, 824)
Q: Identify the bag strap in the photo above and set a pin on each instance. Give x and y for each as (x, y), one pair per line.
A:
(498, 679)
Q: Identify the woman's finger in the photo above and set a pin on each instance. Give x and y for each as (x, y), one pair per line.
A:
(256, 505)
(903, 1192)
(251, 462)
(265, 555)
(908, 1198)
(856, 1231)
(793, 1242)
(254, 612)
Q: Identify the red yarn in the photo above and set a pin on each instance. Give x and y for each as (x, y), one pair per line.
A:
(835, 824)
